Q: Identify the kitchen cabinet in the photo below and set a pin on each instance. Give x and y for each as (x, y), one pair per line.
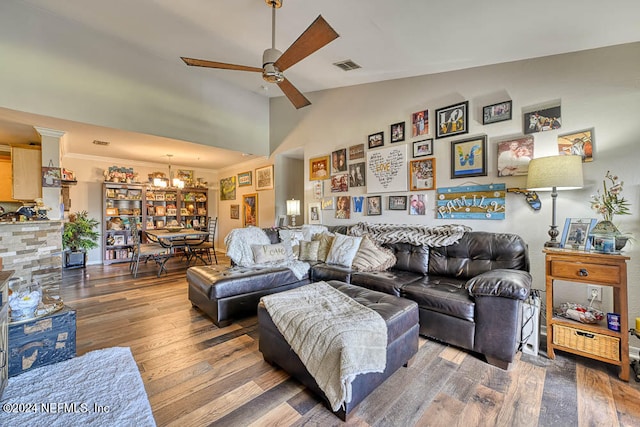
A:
(26, 164)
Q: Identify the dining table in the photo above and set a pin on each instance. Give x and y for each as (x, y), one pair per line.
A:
(173, 239)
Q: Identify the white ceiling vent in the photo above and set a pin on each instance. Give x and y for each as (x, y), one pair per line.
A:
(347, 65)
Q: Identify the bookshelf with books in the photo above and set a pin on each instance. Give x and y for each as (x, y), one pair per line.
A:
(160, 207)
(122, 208)
(193, 207)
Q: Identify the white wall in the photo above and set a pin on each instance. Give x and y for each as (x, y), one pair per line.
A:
(40, 74)
(597, 88)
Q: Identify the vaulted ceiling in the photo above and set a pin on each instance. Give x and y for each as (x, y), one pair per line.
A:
(389, 40)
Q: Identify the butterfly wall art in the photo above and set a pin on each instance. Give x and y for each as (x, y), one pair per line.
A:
(469, 157)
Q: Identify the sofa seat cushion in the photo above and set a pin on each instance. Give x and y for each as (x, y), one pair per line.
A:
(443, 295)
(390, 282)
(217, 283)
(321, 271)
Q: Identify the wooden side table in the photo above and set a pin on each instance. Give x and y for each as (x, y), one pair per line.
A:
(589, 340)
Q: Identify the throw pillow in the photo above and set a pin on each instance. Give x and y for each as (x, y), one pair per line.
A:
(372, 257)
(326, 240)
(308, 250)
(343, 250)
(269, 253)
(285, 239)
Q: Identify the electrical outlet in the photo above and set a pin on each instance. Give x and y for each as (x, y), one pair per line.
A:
(594, 290)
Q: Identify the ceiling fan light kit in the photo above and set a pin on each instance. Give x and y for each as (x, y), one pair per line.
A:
(274, 62)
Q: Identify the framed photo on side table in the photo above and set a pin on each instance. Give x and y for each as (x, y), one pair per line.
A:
(469, 157)
(452, 120)
(575, 233)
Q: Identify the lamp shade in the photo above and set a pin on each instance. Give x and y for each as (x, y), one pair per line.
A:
(293, 207)
(561, 172)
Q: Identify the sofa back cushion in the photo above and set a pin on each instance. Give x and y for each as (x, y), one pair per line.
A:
(410, 258)
(477, 252)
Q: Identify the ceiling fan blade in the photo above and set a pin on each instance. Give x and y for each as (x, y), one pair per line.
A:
(313, 38)
(212, 64)
(295, 96)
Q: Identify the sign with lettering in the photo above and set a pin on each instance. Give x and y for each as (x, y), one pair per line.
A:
(387, 169)
(471, 202)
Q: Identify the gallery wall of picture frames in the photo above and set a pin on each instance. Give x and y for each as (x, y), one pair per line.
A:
(403, 161)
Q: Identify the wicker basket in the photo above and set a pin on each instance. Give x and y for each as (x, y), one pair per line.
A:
(588, 342)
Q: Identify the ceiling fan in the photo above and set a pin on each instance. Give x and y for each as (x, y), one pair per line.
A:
(274, 62)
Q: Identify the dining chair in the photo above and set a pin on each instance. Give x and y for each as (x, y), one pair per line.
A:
(145, 251)
(208, 245)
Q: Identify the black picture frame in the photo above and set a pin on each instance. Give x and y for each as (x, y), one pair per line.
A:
(498, 112)
(452, 120)
(397, 132)
(374, 205)
(542, 120)
(376, 140)
(469, 157)
(397, 203)
(422, 148)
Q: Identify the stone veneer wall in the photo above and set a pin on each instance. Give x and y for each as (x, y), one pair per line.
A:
(33, 250)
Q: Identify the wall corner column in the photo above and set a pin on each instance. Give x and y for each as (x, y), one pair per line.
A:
(51, 156)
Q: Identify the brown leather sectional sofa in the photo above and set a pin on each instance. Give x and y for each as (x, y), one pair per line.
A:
(469, 294)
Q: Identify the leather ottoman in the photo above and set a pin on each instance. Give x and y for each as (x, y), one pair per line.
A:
(225, 294)
(401, 317)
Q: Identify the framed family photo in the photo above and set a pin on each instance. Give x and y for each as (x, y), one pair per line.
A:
(575, 233)
(469, 157)
(397, 203)
(374, 205)
(397, 132)
(542, 120)
(578, 143)
(319, 168)
(496, 112)
(315, 213)
(452, 120)
(376, 140)
(339, 161)
(420, 123)
(264, 178)
(514, 156)
(422, 174)
(423, 148)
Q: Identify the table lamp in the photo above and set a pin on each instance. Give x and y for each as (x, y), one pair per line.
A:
(552, 174)
(293, 209)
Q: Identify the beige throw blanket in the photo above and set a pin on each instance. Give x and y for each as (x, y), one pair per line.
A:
(334, 336)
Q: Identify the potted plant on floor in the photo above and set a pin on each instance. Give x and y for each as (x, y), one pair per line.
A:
(78, 236)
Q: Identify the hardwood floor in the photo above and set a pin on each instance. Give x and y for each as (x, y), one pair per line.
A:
(197, 374)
